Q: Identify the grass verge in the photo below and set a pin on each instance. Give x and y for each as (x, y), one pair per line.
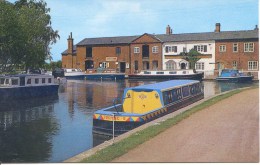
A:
(123, 146)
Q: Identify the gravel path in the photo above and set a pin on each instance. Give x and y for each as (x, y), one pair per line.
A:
(225, 132)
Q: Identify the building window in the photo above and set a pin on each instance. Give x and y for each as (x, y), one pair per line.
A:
(136, 65)
(170, 65)
(118, 50)
(170, 49)
(249, 47)
(199, 66)
(89, 52)
(200, 48)
(235, 47)
(105, 64)
(222, 48)
(252, 65)
(184, 49)
(155, 49)
(155, 65)
(136, 50)
(234, 64)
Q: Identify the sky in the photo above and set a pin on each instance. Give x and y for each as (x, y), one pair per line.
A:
(107, 18)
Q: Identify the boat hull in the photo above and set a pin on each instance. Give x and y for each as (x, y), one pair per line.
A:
(28, 92)
(103, 124)
(102, 76)
(75, 77)
(197, 76)
(241, 79)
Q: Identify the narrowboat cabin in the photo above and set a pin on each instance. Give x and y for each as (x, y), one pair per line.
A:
(144, 103)
(27, 86)
(188, 74)
(233, 75)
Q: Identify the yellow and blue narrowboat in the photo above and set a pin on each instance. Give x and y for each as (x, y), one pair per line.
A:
(144, 103)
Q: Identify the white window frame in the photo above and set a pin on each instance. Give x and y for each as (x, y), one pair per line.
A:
(136, 50)
(234, 64)
(222, 48)
(155, 49)
(235, 45)
(105, 64)
(171, 49)
(252, 65)
(200, 66)
(249, 47)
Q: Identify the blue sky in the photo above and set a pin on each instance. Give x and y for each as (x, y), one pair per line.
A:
(105, 18)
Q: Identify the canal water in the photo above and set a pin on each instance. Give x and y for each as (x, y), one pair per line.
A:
(54, 129)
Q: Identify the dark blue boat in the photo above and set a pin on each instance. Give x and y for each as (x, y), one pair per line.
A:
(233, 75)
(27, 86)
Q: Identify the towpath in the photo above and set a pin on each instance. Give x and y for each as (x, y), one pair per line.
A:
(225, 132)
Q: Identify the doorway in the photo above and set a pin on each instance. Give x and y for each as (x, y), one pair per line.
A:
(122, 67)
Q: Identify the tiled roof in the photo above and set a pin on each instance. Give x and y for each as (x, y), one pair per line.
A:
(107, 40)
(225, 35)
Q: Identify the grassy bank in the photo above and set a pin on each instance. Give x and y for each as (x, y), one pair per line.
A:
(123, 146)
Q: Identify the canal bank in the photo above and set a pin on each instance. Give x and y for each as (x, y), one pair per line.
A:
(94, 150)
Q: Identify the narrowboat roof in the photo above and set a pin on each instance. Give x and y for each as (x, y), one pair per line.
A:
(25, 75)
(164, 85)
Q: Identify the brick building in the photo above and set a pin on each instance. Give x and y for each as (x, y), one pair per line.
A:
(131, 54)
(238, 50)
(146, 53)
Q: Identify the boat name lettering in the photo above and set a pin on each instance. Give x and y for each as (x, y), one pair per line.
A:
(142, 96)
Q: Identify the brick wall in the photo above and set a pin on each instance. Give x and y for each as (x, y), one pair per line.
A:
(242, 58)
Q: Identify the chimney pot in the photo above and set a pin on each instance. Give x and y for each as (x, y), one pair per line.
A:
(168, 30)
(217, 27)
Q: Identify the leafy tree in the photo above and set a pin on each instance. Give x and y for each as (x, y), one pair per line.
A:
(191, 57)
(26, 34)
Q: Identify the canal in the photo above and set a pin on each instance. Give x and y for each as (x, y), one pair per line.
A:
(54, 129)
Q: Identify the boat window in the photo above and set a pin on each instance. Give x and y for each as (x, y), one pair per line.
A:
(29, 81)
(2, 81)
(146, 72)
(185, 91)
(165, 98)
(184, 72)
(173, 72)
(195, 88)
(49, 80)
(43, 80)
(36, 81)
(14, 81)
(176, 94)
(7, 81)
(159, 72)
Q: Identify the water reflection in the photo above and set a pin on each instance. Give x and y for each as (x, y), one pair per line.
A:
(56, 128)
(26, 128)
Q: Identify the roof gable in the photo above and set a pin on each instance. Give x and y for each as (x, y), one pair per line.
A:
(145, 38)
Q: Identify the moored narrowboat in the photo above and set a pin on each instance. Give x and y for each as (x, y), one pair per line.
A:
(27, 86)
(145, 103)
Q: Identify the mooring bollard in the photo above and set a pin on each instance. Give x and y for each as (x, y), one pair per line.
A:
(113, 127)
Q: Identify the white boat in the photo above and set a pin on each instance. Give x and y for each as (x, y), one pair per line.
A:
(167, 74)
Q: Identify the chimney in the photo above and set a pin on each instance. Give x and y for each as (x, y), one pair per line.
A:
(217, 27)
(256, 27)
(168, 30)
(70, 44)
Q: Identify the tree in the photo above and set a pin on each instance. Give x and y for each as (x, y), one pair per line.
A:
(191, 57)
(26, 34)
